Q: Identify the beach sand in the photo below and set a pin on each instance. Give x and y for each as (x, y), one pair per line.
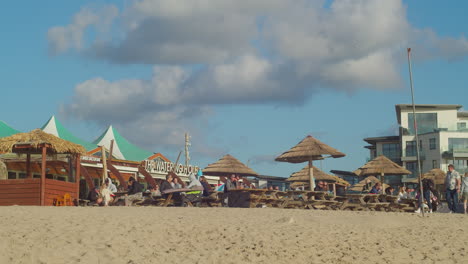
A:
(227, 235)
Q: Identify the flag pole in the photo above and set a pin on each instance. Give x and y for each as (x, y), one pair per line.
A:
(421, 195)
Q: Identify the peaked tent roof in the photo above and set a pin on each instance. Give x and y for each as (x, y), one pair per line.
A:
(6, 130)
(122, 148)
(54, 127)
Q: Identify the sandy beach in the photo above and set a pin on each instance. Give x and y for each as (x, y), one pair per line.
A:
(227, 235)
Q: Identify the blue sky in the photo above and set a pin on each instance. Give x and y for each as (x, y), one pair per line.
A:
(235, 90)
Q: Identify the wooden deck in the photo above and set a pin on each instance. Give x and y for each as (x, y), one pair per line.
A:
(28, 191)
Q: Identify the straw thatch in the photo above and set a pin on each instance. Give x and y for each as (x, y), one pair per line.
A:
(303, 176)
(228, 165)
(309, 149)
(380, 165)
(35, 139)
(358, 186)
(437, 175)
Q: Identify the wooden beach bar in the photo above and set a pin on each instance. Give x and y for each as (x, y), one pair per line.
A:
(35, 188)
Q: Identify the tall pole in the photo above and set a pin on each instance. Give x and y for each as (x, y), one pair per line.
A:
(187, 144)
(415, 125)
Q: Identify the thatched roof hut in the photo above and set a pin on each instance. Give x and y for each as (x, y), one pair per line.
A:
(381, 165)
(33, 141)
(359, 186)
(228, 165)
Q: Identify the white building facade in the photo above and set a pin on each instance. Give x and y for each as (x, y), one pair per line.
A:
(443, 137)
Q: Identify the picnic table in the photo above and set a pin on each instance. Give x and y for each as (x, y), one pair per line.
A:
(409, 204)
(170, 195)
(318, 200)
(214, 199)
(257, 197)
(294, 199)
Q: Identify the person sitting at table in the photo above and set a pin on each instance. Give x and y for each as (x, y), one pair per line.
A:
(155, 192)
(106, 194)
(135, 191)
(401, 193)
(319, 187)
(277, 188)
(389, 190)
(409, 194)
(270, 188)
(167, 184)
(111, 186)
(176, 184)
(367, 186)
(376, 189)
(94, 196)
(206, 186)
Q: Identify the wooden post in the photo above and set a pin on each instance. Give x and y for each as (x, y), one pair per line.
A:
(334, 188)
(111, 150)
(28, 166)
(43, 174)
(78, 177)
(104, 163)
(311, 176)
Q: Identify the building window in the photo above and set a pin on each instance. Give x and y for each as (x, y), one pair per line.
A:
(458, 144)
(432, 143)
(461, 126)
(412, 166)
(420, 144)
(410, 148)
(434, 164)
(11, 175)
(427, 122)
(391, 151)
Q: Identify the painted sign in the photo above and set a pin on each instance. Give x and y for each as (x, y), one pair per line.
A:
(160, 166)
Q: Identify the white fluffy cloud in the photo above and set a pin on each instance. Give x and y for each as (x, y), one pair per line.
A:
(208, 52)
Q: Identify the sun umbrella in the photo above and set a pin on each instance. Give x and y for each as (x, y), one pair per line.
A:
(228, 165)
(381, 166)
(309, 149)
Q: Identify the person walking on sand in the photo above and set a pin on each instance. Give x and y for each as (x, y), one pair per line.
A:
(452, 188)
(464, 192)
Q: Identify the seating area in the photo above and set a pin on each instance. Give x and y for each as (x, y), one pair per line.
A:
(261, 198)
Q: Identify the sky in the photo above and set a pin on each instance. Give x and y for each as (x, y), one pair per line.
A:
(246, 78)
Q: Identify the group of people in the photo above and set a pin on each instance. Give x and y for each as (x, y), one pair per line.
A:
(105, 195)
(456, 188)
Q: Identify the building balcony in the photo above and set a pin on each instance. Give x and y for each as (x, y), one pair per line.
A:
(456, 153)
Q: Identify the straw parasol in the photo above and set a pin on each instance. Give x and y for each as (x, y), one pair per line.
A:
(360, 185)
(307, 150)
(437, 175)
(35, 139)
(228, 165)
(381, 166)
(301, 178)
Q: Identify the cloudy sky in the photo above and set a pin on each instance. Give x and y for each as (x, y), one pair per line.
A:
(246, 77)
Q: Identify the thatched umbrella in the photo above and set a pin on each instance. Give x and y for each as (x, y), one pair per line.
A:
(40, 142)
(360, 185)
(437, 175)
(309, 149)
(381, 166)
(301, 178)
(228, 165)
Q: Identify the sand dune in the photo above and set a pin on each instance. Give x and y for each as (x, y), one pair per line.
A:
(227, 235)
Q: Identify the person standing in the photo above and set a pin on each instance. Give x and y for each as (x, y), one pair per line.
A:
(452, 188)
(428, 189)
(464, 192)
